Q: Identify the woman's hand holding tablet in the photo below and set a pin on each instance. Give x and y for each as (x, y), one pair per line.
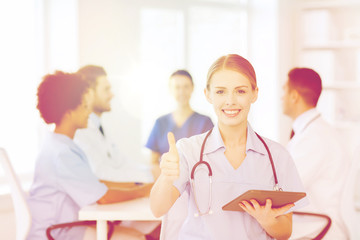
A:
(265, 206)
(278, 199)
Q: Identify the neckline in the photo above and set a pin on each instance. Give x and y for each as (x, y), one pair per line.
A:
(185, 122)
(307, 124)
(301, 120)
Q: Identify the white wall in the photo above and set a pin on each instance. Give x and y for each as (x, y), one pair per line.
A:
(263, 54)
(110, 39)
(19, 78)
(286, 55)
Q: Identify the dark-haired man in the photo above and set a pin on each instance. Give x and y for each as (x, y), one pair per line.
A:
(316, 149)
(104, 156)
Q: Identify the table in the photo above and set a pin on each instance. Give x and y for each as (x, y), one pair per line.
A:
(133, 210)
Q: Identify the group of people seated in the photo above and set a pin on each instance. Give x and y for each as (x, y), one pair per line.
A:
(79, 164)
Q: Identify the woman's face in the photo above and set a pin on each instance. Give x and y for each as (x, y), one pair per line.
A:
(181, 88)
(231, 94)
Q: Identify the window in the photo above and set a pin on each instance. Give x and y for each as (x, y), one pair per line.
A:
(33, 43)
(191, 36)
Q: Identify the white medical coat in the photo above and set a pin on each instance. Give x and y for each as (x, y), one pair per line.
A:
(105, 157)
(323, 166)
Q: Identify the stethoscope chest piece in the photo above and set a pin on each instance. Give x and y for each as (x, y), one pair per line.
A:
(210, 212)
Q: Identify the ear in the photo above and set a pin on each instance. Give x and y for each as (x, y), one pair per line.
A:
(294, 95)
(255, 95)
(207, 95)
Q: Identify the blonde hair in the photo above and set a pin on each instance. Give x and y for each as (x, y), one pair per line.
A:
(236, 63)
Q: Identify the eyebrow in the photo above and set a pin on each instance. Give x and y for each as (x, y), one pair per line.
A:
(242, 86)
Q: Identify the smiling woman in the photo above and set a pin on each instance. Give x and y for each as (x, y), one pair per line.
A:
(231, 99)
(237, 161)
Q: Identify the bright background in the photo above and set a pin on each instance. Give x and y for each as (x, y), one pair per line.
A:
(141, 42)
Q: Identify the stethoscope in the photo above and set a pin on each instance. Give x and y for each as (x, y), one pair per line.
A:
(209, 211)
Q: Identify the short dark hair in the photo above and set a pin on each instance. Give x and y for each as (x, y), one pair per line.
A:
(307, 83)
(59, 93)
(182, 72)
(91, 73)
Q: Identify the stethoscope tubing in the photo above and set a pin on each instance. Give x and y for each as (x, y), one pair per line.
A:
(201, 158)
(276, 186)
(192, 175)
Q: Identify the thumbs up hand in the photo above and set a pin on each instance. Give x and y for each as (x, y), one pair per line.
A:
(169, 164)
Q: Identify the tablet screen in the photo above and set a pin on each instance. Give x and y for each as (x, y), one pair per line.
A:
(278, 198)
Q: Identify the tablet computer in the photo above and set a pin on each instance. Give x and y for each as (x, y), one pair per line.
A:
(278, 198)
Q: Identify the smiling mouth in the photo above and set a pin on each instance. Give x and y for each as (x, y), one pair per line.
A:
(231, 113)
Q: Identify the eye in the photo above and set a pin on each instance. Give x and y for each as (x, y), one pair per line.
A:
(219, 91)
(240, 91)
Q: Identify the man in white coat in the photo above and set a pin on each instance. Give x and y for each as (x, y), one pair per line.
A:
(104, 156)
(316, 149)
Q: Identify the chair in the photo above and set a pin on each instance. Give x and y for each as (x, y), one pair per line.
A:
(326, 227)
(22, 212)
(21, 208)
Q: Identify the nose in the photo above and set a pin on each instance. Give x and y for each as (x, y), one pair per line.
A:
(230, 99)
(181, 90)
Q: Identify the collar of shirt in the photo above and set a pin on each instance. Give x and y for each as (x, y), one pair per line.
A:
(95, 120)
(61, 138)
(64, 139)
(215, 141)
(302, 120)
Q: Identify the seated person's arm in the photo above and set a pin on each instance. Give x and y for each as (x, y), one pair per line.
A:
(119, 192)
(122, 185)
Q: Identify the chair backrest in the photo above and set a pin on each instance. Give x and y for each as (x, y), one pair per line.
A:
(22, 212)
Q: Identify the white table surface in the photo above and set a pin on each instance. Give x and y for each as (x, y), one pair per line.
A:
(133, 210)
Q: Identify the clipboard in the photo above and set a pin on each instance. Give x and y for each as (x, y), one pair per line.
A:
(278, 198)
